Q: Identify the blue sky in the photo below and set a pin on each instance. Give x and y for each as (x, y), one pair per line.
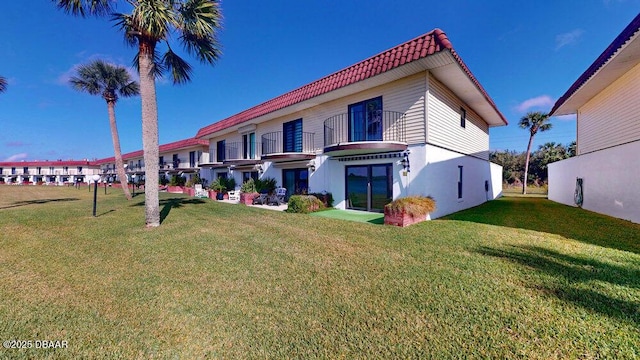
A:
(525, 53)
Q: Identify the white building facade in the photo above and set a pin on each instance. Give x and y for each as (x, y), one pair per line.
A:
(606, 99)
(412, 120)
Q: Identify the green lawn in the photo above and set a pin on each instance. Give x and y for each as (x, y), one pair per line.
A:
(514, 278)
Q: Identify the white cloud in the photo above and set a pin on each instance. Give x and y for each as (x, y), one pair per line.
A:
(542, 101)
(568, 38)
(17, 157)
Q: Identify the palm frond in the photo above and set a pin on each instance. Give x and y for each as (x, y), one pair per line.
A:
(180, 70)
(3, 84)
(158, 68)
(125, 23)
(100, 77)
(199, 22)
(85, 7)
(153, 19)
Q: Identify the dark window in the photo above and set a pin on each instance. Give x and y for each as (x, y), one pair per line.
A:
(292, 136)
(192, 159)
(175, 161)
(79, 169)
(249, 146)
(13, 171)
(459, 182)
(296, 181)
(246, 175)
(365, 120)
(463, 117)
(25, 170)
(161, 162)
(220, 151)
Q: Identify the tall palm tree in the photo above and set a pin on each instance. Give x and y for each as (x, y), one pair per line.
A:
(110, 81)
(3, 84)
(534, 122)
(149, 26)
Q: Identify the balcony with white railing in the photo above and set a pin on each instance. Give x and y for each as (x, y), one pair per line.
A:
(279, 146)
(358, 133)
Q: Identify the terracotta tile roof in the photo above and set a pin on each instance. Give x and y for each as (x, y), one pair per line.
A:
(176, 145)
(45, 163)
(606, 55)
(428, 44)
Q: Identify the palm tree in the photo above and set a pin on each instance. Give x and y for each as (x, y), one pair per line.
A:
(534, 122)
(151, 23)
(3, 84)
(101, 78)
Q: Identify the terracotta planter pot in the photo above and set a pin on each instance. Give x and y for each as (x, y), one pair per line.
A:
(212, 194)
(247, 198)
(402, 219)
(175, 189)
(189, 191)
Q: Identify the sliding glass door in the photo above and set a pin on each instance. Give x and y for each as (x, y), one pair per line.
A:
(369, 187)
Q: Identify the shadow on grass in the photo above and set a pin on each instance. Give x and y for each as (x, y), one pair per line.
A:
(37, 202)
(168, 204)
(547, 216)
(577, 279)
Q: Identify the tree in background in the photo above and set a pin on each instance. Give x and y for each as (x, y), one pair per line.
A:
(109, 81)
(546, 154)
(150, 23)
(534, 122)
(3, 84)
(512, 162)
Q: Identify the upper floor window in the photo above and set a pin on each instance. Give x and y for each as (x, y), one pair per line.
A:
(192, 159)
(463, 117)
(79, 169)
(13, 171)
(365, 120)
(176, 161)
(39, 170)
(25, 170)
(51, 169)
(249, 146)
(220, 151)
(161, 161)
(292, 136)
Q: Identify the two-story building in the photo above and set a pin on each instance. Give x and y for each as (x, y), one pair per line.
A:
(606, 100)
(412, 120)
(182, 158)
(57, 172)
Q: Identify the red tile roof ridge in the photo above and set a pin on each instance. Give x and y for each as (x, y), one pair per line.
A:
(164, 147)
(429, 43)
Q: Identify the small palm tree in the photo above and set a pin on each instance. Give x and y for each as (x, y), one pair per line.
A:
(149, 26)
(3, 84)
(534, 122)
(109, 81)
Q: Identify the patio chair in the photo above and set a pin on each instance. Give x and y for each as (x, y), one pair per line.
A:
(279, 197)
(261, 199)
(200, 192)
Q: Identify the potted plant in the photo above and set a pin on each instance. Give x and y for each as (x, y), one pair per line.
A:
(409, 210)
(176, 184)
(248, 192)
(219, 187)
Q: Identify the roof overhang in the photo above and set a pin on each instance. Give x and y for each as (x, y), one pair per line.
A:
(613, 63)
(443, 65)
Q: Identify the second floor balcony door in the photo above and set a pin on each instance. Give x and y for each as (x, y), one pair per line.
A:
(365, 120)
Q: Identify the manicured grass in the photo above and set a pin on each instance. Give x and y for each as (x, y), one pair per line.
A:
(351, 215)
(228, 281)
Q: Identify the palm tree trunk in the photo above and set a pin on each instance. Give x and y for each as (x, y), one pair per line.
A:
(149, 133)
(526, 166)
(116, 148)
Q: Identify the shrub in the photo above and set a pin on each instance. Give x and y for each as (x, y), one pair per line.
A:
(304, 204)
(266, 185)
(414, 206)
(326, 198)
(195, 179)
(177, 181)
(248, 186)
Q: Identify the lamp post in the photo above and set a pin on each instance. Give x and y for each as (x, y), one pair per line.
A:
(95, 179)
(133, 178)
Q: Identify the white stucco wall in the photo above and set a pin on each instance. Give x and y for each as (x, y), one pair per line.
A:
(610, 181)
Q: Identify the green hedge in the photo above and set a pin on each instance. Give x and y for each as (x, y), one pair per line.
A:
(304, 204)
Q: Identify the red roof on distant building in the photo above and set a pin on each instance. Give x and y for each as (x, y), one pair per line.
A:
(176, 145)
(428, 44)
(47, 163)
